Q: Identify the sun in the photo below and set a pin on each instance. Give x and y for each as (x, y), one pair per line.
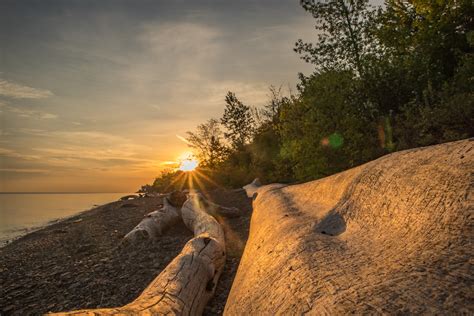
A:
(187, 162)
(188, 165)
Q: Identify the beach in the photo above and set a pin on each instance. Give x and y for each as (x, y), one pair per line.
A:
(76, 262)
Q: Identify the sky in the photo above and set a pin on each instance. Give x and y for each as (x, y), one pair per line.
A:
(96, 96)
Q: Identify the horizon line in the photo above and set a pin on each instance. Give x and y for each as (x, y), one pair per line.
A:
(55, 192)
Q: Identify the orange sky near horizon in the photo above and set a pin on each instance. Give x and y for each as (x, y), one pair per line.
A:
(98, 98)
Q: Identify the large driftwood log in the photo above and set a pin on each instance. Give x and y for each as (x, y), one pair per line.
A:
(255, 187)
(187, 283)
(153, 225)
(393, 236)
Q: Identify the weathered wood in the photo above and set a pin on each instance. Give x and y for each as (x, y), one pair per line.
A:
(217, 209)
(129, 197)
(187, 283)
(255, 187)
(252, 188)
(393, 236)
(153, 225)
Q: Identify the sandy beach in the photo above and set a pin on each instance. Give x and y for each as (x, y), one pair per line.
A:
(75, 263)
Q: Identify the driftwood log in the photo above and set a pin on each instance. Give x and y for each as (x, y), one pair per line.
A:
(129, 197)
(187, 283)
(393, 236)
(217, 209)
(252, 188)
(153, 225)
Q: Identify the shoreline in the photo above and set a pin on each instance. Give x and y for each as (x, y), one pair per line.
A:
(29, 230)
(74, 262)
(15, 232)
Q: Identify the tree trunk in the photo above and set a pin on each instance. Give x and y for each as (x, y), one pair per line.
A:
(187, 283)
(393, 236)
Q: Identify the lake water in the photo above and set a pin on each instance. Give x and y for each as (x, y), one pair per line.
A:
(23, 212)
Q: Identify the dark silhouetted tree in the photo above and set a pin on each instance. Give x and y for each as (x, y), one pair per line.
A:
(207, 141)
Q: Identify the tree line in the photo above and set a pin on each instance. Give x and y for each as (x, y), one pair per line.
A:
(385, 79)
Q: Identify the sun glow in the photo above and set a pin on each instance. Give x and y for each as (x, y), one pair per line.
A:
(188, 165)
(187, 162)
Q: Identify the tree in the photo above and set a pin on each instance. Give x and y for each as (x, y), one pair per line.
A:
(238, 121)
(325, 131)
(166, 181)
(344, 35)
(428, 38)
(428, 43)
(207, 141)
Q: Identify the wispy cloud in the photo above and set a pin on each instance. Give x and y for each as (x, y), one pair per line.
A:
(181, 138)
(31, 113)
(19, 91)
(6, 152)
(73, 153)
(25, 170)
(26, 112)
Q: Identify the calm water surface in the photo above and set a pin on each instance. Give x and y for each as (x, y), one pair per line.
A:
(21, 213)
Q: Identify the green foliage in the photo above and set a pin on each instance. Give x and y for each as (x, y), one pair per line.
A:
(238, 121)
(344, 34)
(327, 130)
(442, 116)
(166, 182)
(426, 39)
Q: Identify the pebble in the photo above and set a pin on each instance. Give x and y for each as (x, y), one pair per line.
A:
(60, 263)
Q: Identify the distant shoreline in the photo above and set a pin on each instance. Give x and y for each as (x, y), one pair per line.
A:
(28, 230)
(13, 230)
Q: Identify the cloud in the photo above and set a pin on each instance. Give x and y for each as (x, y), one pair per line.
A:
(181, 39)
(26, 170)
(181, 138)
(6, 152)
(48, 116)
(18, 91)
(28, 113)
(127, 85)
(88, 148)
(77, 153)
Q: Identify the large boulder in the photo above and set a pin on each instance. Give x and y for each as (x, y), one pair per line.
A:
(391, 236)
